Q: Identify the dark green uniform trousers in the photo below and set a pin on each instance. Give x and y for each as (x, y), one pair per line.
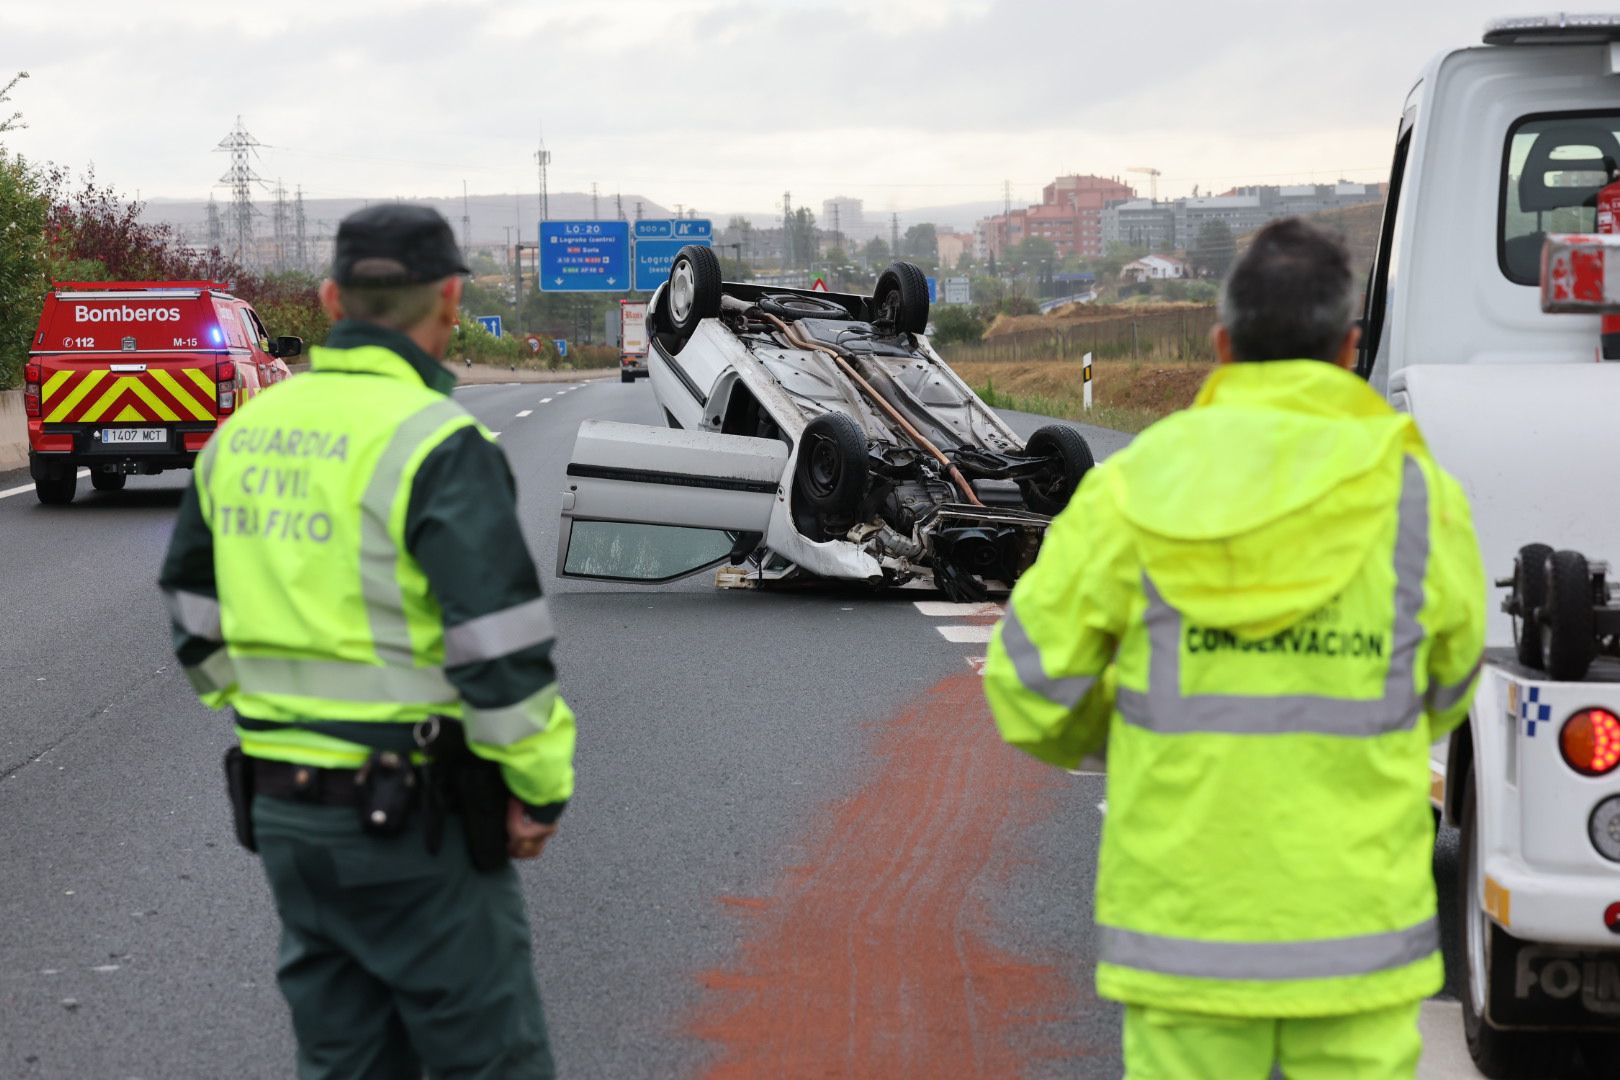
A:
(392, 959)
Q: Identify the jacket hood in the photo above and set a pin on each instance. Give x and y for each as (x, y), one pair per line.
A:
(1257, 505)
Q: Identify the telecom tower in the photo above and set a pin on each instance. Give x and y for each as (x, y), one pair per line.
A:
(542, 158)
(242, 147)
(216, 227)
(300, 248)
(894, 236)
(787, 228)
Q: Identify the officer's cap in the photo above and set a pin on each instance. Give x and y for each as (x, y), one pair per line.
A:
(395, 244)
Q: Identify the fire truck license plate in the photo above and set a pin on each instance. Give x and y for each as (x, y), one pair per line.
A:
(133, 435)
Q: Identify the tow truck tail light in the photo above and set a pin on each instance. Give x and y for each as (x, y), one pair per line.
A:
(225, 376)
(1590, 742)
(33, 375)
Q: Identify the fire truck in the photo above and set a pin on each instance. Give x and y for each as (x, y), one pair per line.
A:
(133, 377)
(1484, 322)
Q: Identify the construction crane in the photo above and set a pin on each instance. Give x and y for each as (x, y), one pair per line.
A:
(1153, 178)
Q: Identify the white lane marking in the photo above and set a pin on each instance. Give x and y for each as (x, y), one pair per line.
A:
(941, 609)
(545, 401)
(9, 492)
(494, 434)
(525, 412)
(966, 635)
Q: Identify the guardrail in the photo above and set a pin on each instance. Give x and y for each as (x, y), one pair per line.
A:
(13, 431)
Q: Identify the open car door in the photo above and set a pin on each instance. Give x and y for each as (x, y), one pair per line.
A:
(651, 504)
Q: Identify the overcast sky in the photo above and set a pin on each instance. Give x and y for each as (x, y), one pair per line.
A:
(724, 104)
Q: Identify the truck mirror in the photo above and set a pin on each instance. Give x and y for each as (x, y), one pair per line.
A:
(285, 347)
(1575, 276)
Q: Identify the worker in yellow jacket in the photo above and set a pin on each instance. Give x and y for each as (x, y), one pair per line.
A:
(1263, 612)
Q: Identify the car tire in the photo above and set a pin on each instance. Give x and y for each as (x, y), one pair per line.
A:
(1530, 587)
(627, 376)
(1568, 628)
(108, 481)
(901, 297)
(1497, 1053)
(693, 291)
(831, 472)
(57, 489)
(789, 306)
(1071, 454)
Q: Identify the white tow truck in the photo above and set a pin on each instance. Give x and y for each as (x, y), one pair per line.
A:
(1501, 146)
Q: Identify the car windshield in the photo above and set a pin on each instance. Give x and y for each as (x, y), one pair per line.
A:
(1553, 169)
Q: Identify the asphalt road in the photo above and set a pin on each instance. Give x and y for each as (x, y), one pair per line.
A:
(796, 846)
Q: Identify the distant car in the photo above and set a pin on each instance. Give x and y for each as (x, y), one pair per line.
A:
(814, 434)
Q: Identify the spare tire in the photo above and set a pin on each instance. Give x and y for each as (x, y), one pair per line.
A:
(901, 297)
(1568, 626)
(794, 306)
(831, 471)
(1049, 492)
(1530, 589)
(693, 290)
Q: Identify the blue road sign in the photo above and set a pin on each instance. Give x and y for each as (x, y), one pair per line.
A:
(693, 228)
(654, 230)
(562, 347)
(655, 257)
(584, 256)
(492, 323)
(933, 290)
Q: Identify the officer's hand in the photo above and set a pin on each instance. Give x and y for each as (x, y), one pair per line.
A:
(524, 838)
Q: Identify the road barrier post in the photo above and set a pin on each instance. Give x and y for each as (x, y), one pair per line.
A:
(1085, 381)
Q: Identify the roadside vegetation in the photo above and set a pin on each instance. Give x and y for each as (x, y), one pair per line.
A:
(1127, 395)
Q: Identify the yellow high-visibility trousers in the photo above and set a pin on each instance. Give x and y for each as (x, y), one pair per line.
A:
(1163, 1044)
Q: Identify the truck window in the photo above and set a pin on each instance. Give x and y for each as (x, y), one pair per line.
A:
(1376, 298)
(255, 333)
(1552, 169)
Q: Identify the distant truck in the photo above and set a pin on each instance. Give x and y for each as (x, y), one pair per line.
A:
(134, 376)
(1499, 146)
(632, 340)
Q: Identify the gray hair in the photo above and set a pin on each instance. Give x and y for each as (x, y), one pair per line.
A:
(1291, 296)
(397, 307)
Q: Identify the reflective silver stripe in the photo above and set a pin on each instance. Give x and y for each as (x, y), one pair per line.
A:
(1324, 958)
(339, 681)
(1163, 708)
(1026, 660)
(1440, 698)
(214, 674)
(196, 614)
(379, 555)
(499, 633)
(510, 723)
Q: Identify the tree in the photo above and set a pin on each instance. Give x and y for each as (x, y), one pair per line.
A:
(803, 241)
(921, 243)
(1215, 249)
(875, 252)
(956, 322)
(24, 209)
(15, 120)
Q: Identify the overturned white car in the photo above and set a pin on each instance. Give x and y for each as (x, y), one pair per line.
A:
(810, 434)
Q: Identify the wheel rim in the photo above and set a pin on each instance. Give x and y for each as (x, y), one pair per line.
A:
(682, 288)
(1475, 925)
(825, 468)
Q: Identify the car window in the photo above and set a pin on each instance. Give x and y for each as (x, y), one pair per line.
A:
(622, 551)
(255, 332)
(1553, 168)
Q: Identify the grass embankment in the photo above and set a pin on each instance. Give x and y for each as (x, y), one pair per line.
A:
(1127, 395)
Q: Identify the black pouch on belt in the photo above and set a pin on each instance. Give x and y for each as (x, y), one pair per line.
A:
(475, 788)
(239, 786)
(388, 791)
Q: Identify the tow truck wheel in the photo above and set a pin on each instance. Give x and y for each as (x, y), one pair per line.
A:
(626, 375)
(108, 481)
(57, 489)
(1530, 589)
(1071, 458)
(693, 292)
(1568, 629)
(901, 297)
(1499, 1054)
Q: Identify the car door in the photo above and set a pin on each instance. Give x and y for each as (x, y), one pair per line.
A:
(650, 505)
(258, 343)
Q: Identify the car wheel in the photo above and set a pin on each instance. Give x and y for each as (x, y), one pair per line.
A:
(1499, 1054)
(1568, 630)
(57, 489)
(901, 297)
(694, 289)
(1071, 459)
(107, 481)
(627, 376)
(1530, 587)
(793, 306)
(831, 472)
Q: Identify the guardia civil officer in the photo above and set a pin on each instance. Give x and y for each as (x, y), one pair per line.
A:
(1264, 610)
(347, 573)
